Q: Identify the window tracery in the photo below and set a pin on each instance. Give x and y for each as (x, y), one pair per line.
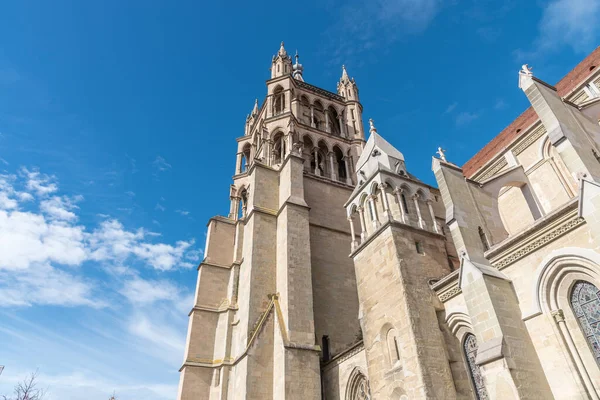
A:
(360, 388)
(585, 301)
(470, 349)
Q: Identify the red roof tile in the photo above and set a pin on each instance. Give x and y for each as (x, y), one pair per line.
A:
(523, 121)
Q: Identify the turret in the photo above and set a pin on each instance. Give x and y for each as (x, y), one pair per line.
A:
(347, 86)
(282, 63)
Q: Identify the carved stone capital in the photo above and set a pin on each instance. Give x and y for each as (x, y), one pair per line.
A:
(558, 315)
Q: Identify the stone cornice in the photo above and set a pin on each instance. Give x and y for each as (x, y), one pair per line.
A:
(327, 180)
(344, 355)
(322, 92)
(447, 287)
(538, 235)
(393, 224)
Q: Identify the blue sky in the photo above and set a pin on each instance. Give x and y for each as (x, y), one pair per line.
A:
(117, 142)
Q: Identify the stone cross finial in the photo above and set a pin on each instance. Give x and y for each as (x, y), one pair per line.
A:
(442, 153)
(526, 70)
(372, 128)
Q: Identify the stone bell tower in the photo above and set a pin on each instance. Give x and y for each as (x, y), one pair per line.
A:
(402, 248)
(276, 291)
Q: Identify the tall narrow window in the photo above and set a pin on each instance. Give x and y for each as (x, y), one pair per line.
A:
(483, 238)
(393, 348)
(585, 301)
(419, 247)
(470, 348)
(404, 203)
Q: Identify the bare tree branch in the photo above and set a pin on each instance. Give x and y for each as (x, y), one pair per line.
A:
(27, 389)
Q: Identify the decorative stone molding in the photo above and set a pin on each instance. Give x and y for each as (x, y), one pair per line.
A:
(560, 229)
(345, 355)
(494, 169)
(448, 294)
(527, 141)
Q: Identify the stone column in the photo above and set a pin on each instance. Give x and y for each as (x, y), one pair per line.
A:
(316, 150)
(312, 116)
(386, 205)
(342, 126)
(270, 106)
(576, 362)
(435, 225)
(398, 193)
(376, 223)
(268, 152)
(234, 208)
(348, 179)
(416, 201)
(363, 231)
(331, 169)
(354, 242)
(238, 163)
(327, 123)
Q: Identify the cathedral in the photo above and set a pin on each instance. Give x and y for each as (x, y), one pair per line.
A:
(339, 275)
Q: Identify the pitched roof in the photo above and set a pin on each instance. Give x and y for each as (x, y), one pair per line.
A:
(528, 117)
(375, 140)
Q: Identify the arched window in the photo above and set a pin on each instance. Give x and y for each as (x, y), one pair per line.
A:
(483, 238)
(341, 164)
(279, 149)
(393, 347)
(245, 163)
(404, 203)
(278, 101)
(358, 387)
(585, 301)
(243, 204)
(470, 348)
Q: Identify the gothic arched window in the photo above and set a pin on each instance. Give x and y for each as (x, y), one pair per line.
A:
(470, 348)
(585, 300)
(358, 387)
(404, 203)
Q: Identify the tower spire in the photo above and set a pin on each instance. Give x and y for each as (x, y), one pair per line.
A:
(372, 128)
(282, 51)
(297, 69)
(347, 86)
(281, 64)
(255, 109)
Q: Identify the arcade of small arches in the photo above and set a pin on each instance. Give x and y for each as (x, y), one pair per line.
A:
(316, 113)
(385, 201)
(320, 157)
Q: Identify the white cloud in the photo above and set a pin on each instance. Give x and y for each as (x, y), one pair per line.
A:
(130, 193)
(2, 160)
(140, 291)
(182, 212)
(451, 108)
(27, 238)
(572, 23)
(466, 117)
(37, 244)
(159, 207)
(41, 184)
(161, 164)
(363, 26)
(500, 104)
(60, 208)
(45, 285)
